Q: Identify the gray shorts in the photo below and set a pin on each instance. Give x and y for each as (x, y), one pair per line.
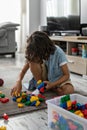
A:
(66, 82)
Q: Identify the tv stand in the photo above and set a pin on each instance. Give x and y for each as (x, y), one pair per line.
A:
(76, 63)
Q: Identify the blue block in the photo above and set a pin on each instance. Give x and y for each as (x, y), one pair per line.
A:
(40, 85)
(82, 107)
(14, 99)
(63, 105)
(78, 106)
(28, 98)
(33, 103)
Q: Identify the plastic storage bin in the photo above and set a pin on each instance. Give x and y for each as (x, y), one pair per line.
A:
(61, 119)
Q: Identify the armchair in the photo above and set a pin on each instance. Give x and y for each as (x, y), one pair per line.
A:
(8, 44)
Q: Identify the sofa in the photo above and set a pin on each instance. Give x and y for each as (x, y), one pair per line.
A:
(8, 44)
(68, 25)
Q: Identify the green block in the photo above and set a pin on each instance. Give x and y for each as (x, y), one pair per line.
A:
(67, 97)
(27, 103)
(62, 100)
(72, 111)
(41, 99)
(23, 100)
(2, 95)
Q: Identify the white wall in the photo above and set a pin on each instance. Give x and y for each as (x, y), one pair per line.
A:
(33, 20)
(35, 15)
(83, 11)
(43, 13)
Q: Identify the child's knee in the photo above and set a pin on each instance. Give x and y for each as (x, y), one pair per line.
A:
(68, 89)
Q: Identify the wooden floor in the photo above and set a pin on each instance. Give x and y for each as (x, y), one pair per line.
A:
(33, 121)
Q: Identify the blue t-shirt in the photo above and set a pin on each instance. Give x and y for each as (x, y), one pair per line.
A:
(54, 64)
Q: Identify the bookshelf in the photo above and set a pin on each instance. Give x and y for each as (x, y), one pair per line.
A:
(76, 61)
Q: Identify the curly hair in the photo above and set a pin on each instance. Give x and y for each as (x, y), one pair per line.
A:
(39, 47)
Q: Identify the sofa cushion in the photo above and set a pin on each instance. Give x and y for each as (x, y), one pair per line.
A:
(54, 26)
(64, 22)
(74, 22)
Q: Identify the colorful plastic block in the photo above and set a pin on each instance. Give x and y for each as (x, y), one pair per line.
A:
(2, 95)
(4, 100)
(33, 103)
(34, 98)
(19, 99)
(27, 103)
(2, 127)
(20, 105)
(5, 116)
(41, 96)
(39, 82)
(42, 90)
(37, 103)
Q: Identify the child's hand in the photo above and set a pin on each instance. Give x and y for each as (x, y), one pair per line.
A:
(48, 85)
(16, 89)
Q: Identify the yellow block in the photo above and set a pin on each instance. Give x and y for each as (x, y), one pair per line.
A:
(24, 95)
(39, 81)
(34, 98)
(69, 103)
(19, 99)
(20, 105)
(37, 103)
(0, 92)
(2, 127)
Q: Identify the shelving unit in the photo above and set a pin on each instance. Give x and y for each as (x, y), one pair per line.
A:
(76, 63)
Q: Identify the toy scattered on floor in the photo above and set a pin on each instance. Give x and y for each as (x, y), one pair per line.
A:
(28, 100)
(73, 106)
(3, 128)
(20, 105)
(33, 99)
(5, 116)
(40, 88)
(3, 99)
(1, 82)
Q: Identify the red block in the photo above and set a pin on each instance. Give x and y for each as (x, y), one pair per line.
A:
(42, 90)
(84, 112)
(5, 116)
(41, 96)
(0, 99)
(1, 82)
(4, 100)
(86, 105)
